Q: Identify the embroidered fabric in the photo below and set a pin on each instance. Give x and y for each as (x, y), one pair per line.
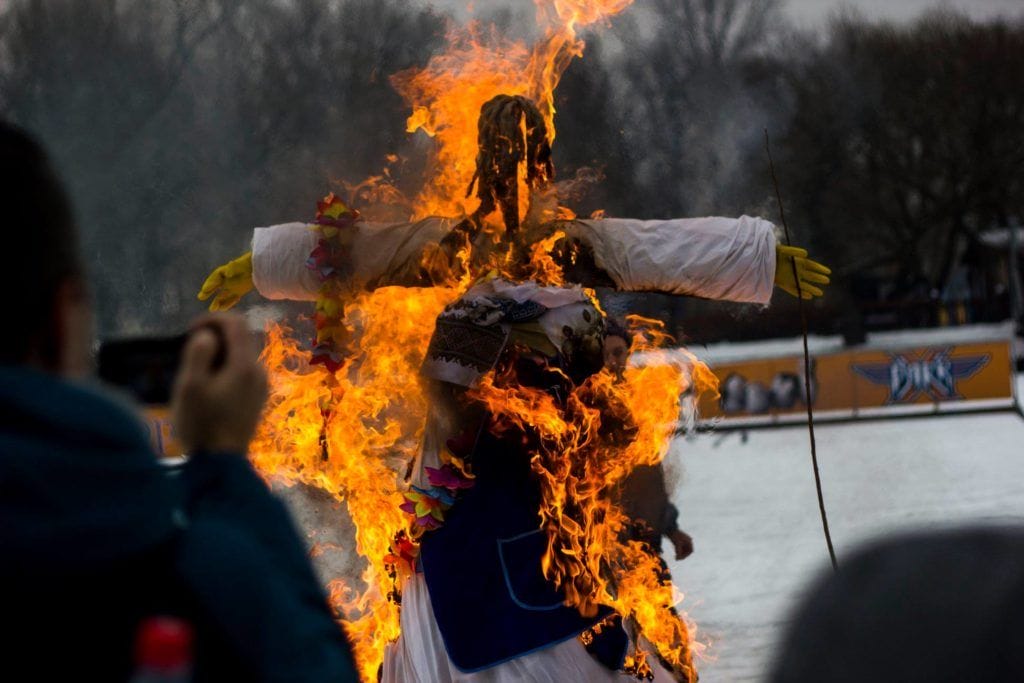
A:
(472, 332)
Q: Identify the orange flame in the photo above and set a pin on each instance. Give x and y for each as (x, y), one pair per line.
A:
(446, 94)
(586, 450)
(352, 434)
(355, 432)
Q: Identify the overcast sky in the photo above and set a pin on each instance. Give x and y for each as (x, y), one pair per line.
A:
(811, 13)
(814, 12)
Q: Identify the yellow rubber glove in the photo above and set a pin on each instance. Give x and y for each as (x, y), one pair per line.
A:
(813, 275)
(228, 283)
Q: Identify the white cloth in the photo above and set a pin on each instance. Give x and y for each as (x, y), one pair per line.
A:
(716, 258)
(568, 308)
(279, 255)
(419, 656)
(280, 252)
(548, 296)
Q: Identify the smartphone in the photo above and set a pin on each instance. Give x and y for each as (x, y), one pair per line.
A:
(145, 367)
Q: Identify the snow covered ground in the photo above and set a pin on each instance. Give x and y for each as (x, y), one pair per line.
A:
(752, 510)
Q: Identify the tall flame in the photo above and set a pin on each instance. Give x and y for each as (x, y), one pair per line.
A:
(586, 450)
(446, 94)
(354, 432)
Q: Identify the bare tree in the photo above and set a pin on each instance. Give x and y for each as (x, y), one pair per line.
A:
(908, 141)
(717, 34)
(685, 106)
(180, 125)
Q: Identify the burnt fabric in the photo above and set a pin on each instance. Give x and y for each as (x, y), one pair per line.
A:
(558, 323)
(483, 567)
(98, 535)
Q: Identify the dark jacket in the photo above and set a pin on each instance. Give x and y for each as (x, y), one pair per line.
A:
(97, 535)
(644, 499)
(483, 569)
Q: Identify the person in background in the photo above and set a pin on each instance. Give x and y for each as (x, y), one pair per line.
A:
(644, 497)
(97, 538)
(936, 607)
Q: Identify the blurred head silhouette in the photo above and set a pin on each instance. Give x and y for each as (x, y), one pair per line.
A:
(937, 607)
(46, 300)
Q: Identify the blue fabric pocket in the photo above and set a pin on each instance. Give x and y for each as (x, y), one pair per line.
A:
(520, 558)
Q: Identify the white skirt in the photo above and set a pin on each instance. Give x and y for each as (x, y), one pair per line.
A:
(419, 655)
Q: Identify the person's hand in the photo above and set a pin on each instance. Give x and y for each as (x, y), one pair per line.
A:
(220, 388)
(228, 283)
(682, 542)
(813, 275)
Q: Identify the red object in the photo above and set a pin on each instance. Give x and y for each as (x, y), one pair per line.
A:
(163, 643)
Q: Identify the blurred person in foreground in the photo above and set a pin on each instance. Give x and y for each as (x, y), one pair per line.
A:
(97, 537)
(643, 494)
(935, 607)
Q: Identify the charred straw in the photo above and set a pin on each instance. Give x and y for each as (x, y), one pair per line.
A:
(511, 130)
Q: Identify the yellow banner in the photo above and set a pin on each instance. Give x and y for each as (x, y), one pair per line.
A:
(860, 380)
(161, 431)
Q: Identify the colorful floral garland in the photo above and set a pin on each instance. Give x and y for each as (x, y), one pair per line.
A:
(331, 261)
(427, 506)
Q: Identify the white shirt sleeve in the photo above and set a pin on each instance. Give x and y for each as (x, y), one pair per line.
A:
(732, 259)
(379, 250)
(279, 255)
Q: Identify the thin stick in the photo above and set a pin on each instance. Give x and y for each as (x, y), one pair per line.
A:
(807, 362)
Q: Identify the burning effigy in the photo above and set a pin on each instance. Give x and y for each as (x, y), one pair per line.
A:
(455, 396)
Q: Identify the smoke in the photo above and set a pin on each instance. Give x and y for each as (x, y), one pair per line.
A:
(692, 103)
(330, 533)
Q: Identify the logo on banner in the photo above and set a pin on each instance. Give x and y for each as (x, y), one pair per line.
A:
(934, 375)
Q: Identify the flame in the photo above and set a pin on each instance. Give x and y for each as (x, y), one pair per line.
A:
(446, 94)
(607, 428)
(354, 432)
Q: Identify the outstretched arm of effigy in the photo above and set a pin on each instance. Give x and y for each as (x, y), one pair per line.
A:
(731, 259)
(374, 254)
